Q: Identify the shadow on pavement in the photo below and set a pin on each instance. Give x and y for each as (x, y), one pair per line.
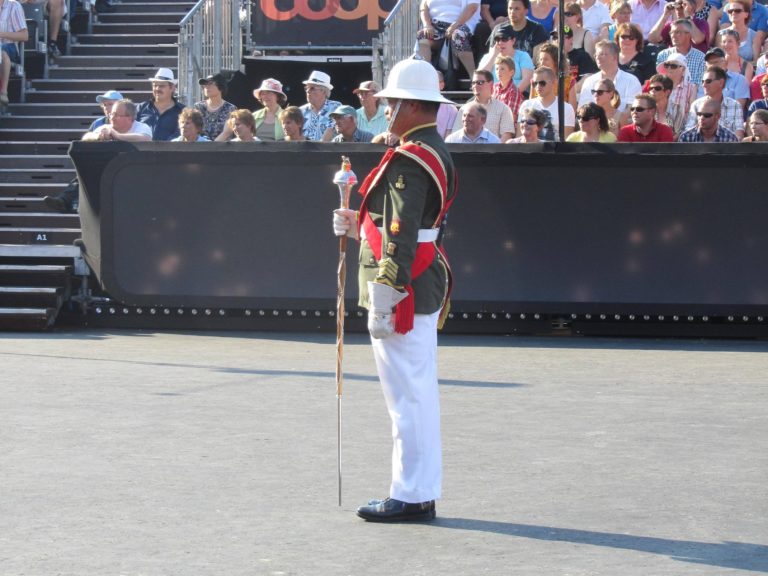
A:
(736, 555)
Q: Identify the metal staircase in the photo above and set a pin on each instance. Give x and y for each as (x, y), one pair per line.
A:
(40, 263)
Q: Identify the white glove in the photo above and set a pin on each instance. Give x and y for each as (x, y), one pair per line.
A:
(345, 222)
(382, 299)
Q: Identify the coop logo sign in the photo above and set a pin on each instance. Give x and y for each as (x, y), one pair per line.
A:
(324, 10)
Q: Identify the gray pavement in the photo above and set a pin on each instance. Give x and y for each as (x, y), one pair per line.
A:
(142, 453)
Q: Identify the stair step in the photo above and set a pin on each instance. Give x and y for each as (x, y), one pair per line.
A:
(93, 73)
(165, 27)
(22, 175)
(148, 61)
(72, 122)
(50, 161)
(31, 296)
(47, 275)
(145, 7)
(141, 17)
(38, 235)
(82, 96)
(27, 318)
(95, 85)
(56, 109)
(28, 190)
(35, 134)
(124, 49)
(52, 220)
(29, 148)
(23, 205)
(141, 38)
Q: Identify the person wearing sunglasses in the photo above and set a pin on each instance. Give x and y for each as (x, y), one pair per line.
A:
(680, 9)
(605, 96)
(660, 87)
(593, 126)
(318, 124)
(739, 13)
(708, 127)
(645, 127)
(500, 120)
(530, 126)
(684, 92)
(682, 44)
(736, 84)
(730, 115)
(626, 84)
(503, 44)
(758, 126)
(583, 39)
(632, 55)
(544, 82)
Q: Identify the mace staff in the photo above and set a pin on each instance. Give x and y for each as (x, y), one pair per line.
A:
(345, 179)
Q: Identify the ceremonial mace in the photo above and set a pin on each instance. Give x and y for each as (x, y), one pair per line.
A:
(345, 179)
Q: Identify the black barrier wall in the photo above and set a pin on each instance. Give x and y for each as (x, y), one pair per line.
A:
(666, 229)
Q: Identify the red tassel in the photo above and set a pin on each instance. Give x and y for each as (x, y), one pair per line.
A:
(404, 312)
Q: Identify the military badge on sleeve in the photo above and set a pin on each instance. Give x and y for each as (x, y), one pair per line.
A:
(400, 182)
(394, 227)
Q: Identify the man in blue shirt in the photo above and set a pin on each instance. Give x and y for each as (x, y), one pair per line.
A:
(161, 112)
(736, 85)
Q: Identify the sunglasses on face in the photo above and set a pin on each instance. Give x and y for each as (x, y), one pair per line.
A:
(569, 14)
(537, 83)
(583, 119)
(656, 88)
(598, 92)
(528, 122)
(479, 82)
(671, 66)
(638, 109)
(734, 11)
(708, 80)
(502, 39)
(625, 37)
(705, 114)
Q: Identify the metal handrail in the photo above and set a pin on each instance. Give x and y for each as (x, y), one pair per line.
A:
(397, 39)
(210, 40)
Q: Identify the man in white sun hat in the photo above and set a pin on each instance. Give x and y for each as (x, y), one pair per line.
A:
(161, 112)
(318, 124)
(404, 283)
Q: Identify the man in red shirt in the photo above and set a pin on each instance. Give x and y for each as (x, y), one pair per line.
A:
(644, 127)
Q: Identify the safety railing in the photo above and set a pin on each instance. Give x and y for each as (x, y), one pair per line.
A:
(210, 40)
(397, 38)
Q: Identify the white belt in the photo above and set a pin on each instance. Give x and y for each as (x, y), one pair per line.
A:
(425, 234)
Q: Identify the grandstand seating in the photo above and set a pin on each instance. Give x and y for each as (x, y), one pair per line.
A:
(54, 103)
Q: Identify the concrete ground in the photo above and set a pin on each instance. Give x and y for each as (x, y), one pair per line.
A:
(141, 453)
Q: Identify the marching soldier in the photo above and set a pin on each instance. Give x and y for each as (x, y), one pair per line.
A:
(404, 283)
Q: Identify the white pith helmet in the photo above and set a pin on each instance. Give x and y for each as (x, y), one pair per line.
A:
(413, 80)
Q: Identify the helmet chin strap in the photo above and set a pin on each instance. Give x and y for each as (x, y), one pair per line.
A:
(393, 116)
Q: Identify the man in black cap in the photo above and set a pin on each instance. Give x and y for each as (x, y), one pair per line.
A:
(736, 85)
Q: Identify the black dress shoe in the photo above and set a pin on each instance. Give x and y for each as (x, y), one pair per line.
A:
(391, 510)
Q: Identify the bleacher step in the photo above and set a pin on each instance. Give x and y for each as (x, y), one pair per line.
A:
(35, 134)
(107, 39)
(38, 220)
(23, 175)
(60, 122)
(31, 296)
(29, 148)
(34, 190)
(36, 161)
(38, 235)
(27, 318)
(136, 28)
(83, 96)
(8, 204)
(124, 49)
(121, 61)
(141, 17)
(112, 73)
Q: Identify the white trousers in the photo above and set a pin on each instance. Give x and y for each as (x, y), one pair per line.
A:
(407, 366)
